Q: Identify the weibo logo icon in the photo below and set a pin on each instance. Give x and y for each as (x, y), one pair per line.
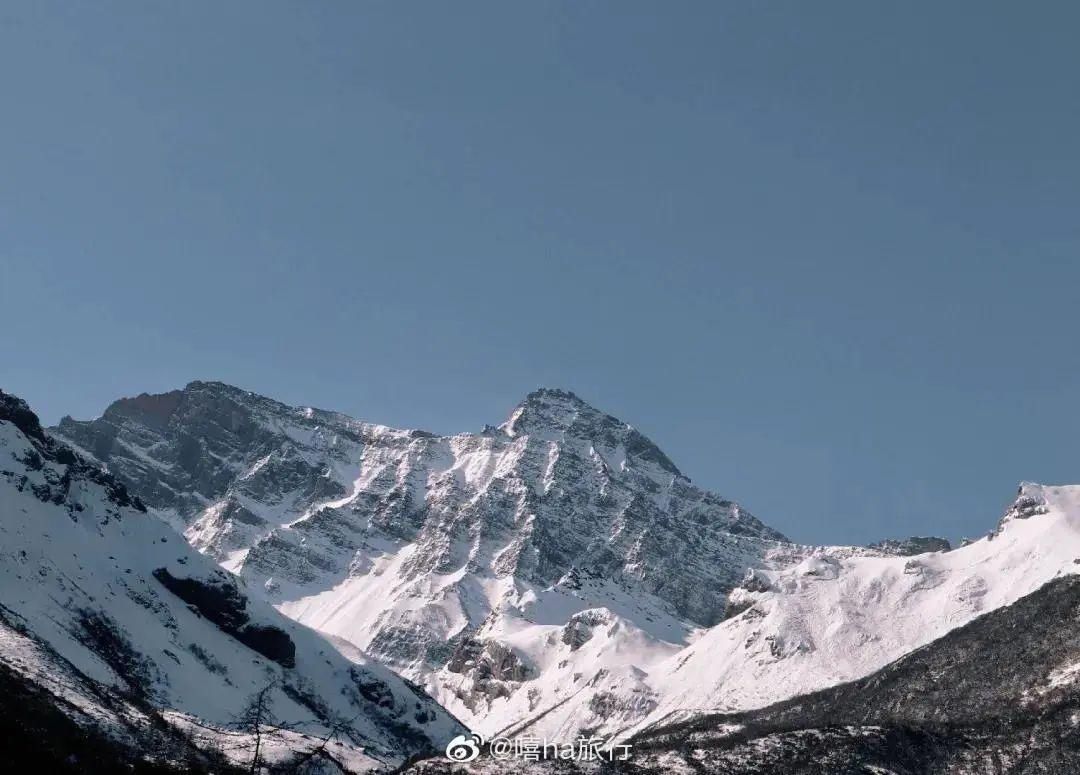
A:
(464, 748)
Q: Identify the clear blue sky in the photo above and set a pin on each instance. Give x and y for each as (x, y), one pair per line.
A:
(827, 256)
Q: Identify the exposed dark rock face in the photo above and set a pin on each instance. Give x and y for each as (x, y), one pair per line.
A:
(907, 547)
(182, 449)
(494, 669)
(545, 411)
(273, 643)
(1025, 507)
(17, 412)
(223, 604)
(579, 629)
(487, 659)
(755, 581)
(67, 467)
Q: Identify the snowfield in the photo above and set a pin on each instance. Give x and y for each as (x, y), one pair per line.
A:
(826, 620)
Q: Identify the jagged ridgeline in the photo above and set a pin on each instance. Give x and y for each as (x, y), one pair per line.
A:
(559, 487)
(424, 549)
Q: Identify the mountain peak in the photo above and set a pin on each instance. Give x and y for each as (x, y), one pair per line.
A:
(157, 410)
(554, 394)
(553, 413)
(547, 409)
(16, 411)
(214, 386)
(152, 409)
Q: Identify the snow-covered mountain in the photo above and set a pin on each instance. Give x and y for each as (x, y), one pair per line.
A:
(554, 574)
(139, 639)
(507, 570)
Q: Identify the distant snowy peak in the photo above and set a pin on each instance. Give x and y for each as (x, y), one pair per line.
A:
(184, 451)
(458, 559)
(554, 414)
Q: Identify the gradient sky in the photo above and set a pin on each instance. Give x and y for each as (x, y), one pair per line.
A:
(827, 256)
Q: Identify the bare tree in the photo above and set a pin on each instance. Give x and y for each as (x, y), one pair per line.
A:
(257, 719)
(320, 751)
(259, 723)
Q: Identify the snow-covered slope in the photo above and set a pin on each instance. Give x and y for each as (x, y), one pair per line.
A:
(109, 610)
(1000, 694)
(828, 619)
(806, 618)
(506, 570)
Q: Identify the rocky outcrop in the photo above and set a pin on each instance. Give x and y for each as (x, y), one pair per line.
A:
(493, 670)
(908, 547)
(578, 630)
(223, 604)
(185, 449)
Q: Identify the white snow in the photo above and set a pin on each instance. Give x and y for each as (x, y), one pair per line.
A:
(833, 621)
(56, 566)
